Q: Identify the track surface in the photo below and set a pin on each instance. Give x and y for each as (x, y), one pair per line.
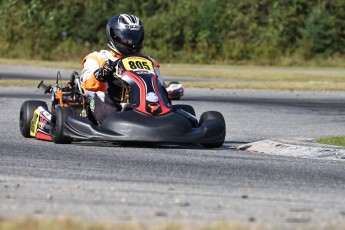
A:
(186, 184)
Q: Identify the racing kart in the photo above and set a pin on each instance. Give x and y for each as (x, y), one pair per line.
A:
(147, 114)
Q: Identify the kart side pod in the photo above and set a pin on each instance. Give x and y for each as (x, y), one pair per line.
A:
(34, 120)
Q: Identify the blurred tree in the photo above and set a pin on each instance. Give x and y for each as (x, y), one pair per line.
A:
(319, 33)
(201, 31)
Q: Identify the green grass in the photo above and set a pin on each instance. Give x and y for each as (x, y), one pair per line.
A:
(52, 64)
(263, 85)
(23, 83)
(338, 140)
(70, 224)
(252, 73)
(223, 76)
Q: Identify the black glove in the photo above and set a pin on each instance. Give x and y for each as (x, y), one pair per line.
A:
(106, 71)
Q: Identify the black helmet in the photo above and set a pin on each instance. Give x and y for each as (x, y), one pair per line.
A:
(125, 34)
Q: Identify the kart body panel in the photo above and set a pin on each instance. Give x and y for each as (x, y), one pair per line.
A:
(132, 126)
(40, 124)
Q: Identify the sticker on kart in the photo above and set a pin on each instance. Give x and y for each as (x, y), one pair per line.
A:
(151, 97)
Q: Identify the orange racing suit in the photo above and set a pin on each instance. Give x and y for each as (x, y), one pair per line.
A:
(104, 90)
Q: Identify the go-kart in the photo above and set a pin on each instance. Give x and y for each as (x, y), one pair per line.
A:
(147, 114)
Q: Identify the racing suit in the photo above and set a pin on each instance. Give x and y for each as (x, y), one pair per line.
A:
(104, 93)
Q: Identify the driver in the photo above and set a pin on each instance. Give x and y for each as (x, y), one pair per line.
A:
(125, 36)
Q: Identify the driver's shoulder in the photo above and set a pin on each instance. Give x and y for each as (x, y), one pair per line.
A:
(104, 52)
(101, 56)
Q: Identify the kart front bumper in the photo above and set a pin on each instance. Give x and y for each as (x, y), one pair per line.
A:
(132, 126)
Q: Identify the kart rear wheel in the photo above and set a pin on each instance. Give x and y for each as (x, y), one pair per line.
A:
(214, 115)
(58, 120)
(26, 112)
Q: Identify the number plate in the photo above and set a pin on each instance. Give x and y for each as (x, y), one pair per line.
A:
(137, 63)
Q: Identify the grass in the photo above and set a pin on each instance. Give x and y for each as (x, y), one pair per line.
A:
(70, 224)
(22, 83)
(225, 77)
(263, 85)
(338, 140)
(26, 62)
(253, 73)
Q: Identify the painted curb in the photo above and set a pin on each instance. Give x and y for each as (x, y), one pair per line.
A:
(300, 147)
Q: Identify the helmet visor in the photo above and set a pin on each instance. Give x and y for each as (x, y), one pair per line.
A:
(133, 38)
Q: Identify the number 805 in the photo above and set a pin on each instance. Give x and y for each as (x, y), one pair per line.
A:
(139, 65)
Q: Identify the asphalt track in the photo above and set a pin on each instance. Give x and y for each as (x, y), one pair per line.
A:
(155, 184)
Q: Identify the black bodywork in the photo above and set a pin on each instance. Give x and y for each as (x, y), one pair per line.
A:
(133, 126)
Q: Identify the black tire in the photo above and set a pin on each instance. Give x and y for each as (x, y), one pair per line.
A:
(25, 116)
(214, 115)
(59, 118)
(186, 108)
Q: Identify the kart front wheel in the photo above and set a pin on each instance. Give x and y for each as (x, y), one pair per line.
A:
(217, 117)
(58, 120)
(26, 112)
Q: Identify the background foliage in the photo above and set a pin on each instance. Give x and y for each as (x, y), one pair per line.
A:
(270, 32)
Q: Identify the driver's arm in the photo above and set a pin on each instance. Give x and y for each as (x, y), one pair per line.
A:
(95, 72)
